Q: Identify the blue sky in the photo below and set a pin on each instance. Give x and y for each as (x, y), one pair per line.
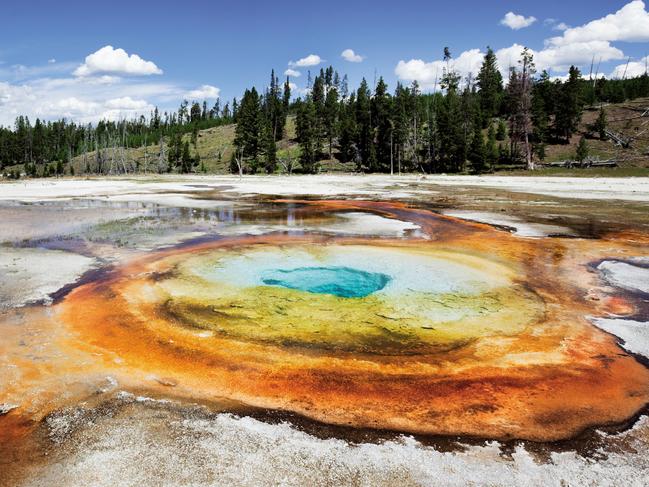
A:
(173, 50)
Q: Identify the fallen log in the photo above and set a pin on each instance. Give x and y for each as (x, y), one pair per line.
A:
(580, 164)
(618, 138)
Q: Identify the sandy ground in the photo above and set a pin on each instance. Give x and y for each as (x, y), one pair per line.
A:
(628, 189)
(125, 447)
(30, 275)
(519, 226)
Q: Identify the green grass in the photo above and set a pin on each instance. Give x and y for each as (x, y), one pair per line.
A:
(215, 147)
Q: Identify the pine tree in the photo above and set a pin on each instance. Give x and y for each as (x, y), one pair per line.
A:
(542, 107)
(600, 124)
(347, 131)
(471, 117)
(490, 82)
(491, 149)
(331, 109)
(186, 160)
(501, 133)
(381, 118)
(415, 129)
(235, 110)
(38, 143)
(270, 148)
(175, 150)
(344, 87)
(306, 126)
(364, 140)
(451, 125)
(477, 155)
(274, 108)
(504, 156)
(286, 103)
(318, 97)
(195, 113)
(570, 106)
(582, 150)
(183, 114)
(400, 117)
(248, 132)
(432, 132)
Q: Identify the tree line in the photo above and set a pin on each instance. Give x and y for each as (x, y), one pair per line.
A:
(464, 126)
(46, 148)
(470, 124)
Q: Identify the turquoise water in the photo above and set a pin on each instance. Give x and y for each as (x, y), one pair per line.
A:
(344, 282)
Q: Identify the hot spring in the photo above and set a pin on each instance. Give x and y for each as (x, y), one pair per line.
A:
(462, 332)
(343, 282)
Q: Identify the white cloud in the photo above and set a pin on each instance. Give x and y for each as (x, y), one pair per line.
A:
(293, 87)
(580, 45)
(83, 99)
(126, 103)
(427, 74)
(70, 107)
(51, 61)
(635, 68)
(204, 92)
(105, 80)
(562, 78)
(115, 61)
(351, 56)
(561, 57)
(292, 72)
(576, 46)
(558, 58)
(310, 60)
(556, 24)
(630, 23)
(125, 107)
(508, 58)
(21, 72)
(516, 22)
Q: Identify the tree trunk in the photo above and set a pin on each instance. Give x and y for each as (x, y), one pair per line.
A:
(528, 153)
(391, 157)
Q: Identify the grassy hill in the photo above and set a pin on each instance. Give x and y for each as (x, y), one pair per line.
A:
(215, 145)
(625, 119)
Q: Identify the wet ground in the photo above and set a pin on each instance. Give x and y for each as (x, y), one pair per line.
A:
(143, 340)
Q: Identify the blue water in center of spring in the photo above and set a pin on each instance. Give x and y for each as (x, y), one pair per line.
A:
(343, 282)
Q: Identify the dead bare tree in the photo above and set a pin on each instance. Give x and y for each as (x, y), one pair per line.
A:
(288, 163)
(520, 91)
(162, 160)
(145, 153)
(123, 149)
(238, 158)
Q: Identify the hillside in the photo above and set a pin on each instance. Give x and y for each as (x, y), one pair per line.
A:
(629, 119)
(215, 146)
